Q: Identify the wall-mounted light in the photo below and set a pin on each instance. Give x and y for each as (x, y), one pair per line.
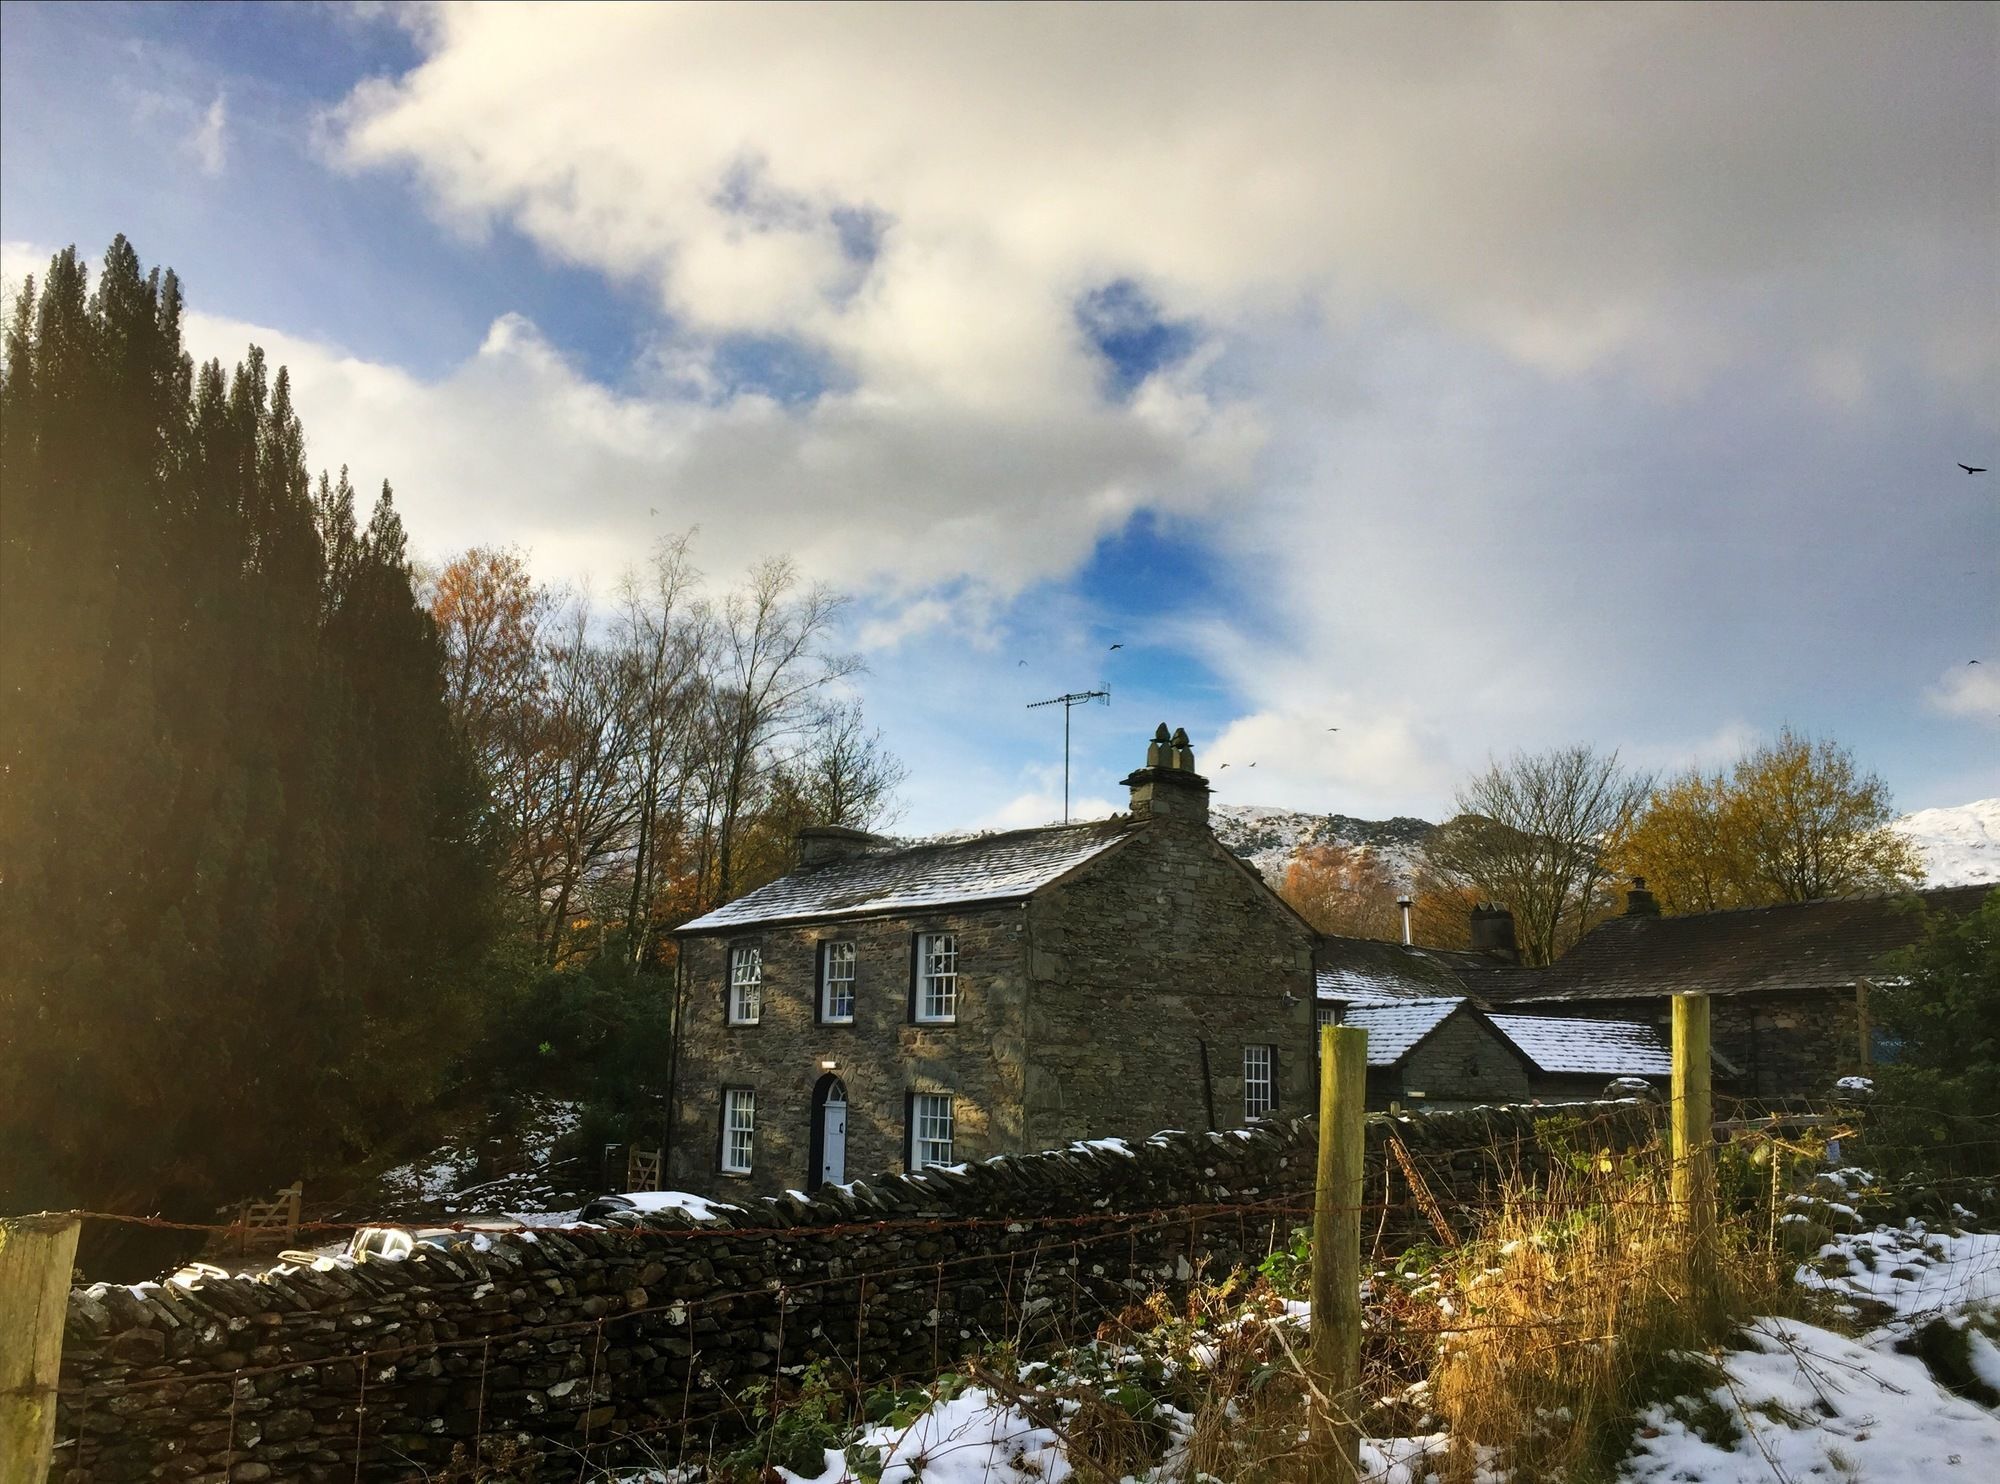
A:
(828, 1066)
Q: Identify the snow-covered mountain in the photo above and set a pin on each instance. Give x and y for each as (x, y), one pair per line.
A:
(1960, 845)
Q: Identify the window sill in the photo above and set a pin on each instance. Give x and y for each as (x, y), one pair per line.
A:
(952, 1020)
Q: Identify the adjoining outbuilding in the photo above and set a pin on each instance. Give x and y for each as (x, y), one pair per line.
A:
(1789, 984)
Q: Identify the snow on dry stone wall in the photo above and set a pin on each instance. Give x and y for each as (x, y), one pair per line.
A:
(604, 1338)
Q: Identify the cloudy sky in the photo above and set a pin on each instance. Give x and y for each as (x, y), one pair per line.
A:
(1465, 379)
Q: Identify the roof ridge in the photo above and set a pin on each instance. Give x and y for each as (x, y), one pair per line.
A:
(1919, 892)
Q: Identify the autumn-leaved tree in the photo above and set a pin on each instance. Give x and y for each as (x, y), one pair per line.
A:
(1793, 820)
(1344, 890)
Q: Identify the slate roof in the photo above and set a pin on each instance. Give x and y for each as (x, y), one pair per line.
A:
(1798, 946)
(1358, 969)
(1396, 1026)
(982, 869)
(1601, 1048)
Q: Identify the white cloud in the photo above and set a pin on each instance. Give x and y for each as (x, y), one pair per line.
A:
(516, 444)
(1572, 185)
(1036, 807)
(1970, 690)
(209, 143)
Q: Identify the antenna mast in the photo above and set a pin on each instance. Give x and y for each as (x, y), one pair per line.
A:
(1068, 703)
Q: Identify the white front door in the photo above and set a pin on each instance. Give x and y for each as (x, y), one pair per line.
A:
(833, 1140)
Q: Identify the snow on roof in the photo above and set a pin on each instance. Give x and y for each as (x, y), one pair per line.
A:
(1395, 1026)
(1597, 1048)
(1357, 969)
(985, 868)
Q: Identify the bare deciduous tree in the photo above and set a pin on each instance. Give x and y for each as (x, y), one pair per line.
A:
(1532, 834)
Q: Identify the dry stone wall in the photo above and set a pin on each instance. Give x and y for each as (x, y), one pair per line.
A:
(600, 1342)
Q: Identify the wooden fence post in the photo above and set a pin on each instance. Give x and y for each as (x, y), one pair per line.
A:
(36, 1255)
(1336, 1260)
(1693, 1187)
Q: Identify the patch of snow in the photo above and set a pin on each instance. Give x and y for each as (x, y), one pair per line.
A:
(971, 1439)
(1809, 1404)
(1984, 1357)
(1960, 845)
(700, 1207)
(1108, 1146)
(1909, 1273)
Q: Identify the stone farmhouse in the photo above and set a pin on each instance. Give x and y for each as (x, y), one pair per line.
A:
(1790, 984)
(894, 1006)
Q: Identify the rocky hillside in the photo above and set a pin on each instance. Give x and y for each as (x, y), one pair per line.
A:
(1268, 837)
(1960, 845)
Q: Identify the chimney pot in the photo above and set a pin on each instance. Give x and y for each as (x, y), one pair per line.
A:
(820, 844)
(1493, 932)
(1168, 786)
(1639, 902)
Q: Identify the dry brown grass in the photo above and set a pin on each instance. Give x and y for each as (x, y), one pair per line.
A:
(1576, 1303)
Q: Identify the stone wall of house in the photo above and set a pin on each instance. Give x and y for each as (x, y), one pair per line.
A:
(1161, 948)
(595, 1344)
(1464, 1061)
(880, 1058)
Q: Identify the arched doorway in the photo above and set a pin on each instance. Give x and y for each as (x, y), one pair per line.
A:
(828, 1143)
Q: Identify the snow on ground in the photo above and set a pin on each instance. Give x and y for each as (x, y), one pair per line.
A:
(449, 1181)
(1908, 1274)
(1960, 845)
(1809, 1404)
(971, 1439)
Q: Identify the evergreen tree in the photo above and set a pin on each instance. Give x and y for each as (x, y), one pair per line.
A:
(244, 898)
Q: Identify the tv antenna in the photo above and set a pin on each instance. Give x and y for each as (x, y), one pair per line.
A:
(1069, 703)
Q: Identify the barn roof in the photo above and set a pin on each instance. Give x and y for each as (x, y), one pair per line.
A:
(1798, 946)
(1599, 1048)
(1396, 1027)
(1356, 969)
(979, 870)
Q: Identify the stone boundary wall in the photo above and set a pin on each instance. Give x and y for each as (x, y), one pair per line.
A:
(607, 1338)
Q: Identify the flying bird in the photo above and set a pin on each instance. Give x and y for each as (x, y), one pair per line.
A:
(1019, 663)
(1117, 646)
(1253, 765)
(1333, 729)
(1223, 766)
(1970, 470)
(1972, 662)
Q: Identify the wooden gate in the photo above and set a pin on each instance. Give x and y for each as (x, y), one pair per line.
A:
(645, 1169)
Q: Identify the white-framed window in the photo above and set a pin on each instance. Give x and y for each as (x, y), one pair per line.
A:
(836, 982)
(937, 977)
(1260, 1081)
(739, 1129)
(930, 1129)
(746, 985)
(1328, 1015)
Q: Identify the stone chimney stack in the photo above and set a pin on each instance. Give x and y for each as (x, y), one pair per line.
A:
(1168, 786)
(1639, 902)
(1493, 932)
(820, 844)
